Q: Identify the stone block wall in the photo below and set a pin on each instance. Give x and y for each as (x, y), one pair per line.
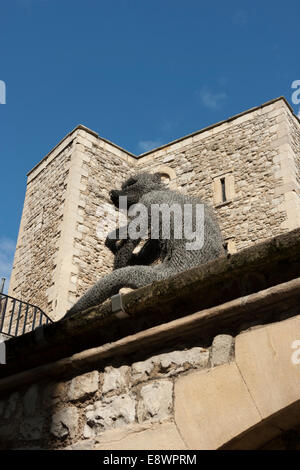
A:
(295, 143)
(40, 230)
(240, 393)
(59, 254)
(247, 150)
(104, 168)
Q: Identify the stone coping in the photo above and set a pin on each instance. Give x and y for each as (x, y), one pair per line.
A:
(217, 124)
(69, 135)
(271, 264)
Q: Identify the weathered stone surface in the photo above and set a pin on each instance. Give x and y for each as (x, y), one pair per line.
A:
(171, 363)
(30, 400)
(89, 431)
(65, 422)
(213, 406)
(111, 412)
(53, 393)
(269, 365)
(142, 437)
(115, 379)
(221, 349)
(43, 207)
(156, 400)
(83, 385)
(142, 370)
(31, 428)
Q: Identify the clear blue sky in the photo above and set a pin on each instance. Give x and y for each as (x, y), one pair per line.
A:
(141, 73)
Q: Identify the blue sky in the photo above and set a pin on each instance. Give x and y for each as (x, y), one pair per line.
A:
(140, 73)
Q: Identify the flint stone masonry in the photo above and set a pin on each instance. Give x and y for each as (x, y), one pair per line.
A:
(257, 152)
(87, 406)
(169, 364)
(156, 401)
(229, 398)
(115, 379)
(83, 385)
(111, 412)
(65, 422)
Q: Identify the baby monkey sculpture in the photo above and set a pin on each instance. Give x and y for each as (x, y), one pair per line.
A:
(172, 252)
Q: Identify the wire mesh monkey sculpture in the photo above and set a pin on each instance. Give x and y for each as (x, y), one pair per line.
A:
(135, 269)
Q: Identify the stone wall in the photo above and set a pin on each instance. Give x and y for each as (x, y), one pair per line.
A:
(197, 398)
(58, 252)
(91, 408)
(103, 168)
(295, 144)
(244, 148)
(40, 231)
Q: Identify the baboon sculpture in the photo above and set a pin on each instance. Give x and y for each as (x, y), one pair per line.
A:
(170, 253)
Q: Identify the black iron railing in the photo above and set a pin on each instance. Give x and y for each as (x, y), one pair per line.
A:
(18, 317)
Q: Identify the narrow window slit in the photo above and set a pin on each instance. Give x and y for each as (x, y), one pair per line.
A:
(223, 189)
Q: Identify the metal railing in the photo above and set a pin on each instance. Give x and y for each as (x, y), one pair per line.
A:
(18, 317)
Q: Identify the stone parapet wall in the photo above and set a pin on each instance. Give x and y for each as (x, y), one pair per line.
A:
(78, 412)
(238, 393)
(166, 378)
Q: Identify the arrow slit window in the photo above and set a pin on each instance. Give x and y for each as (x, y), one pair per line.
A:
(223, 188)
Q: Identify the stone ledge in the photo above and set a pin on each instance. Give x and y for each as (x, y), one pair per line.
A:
(181, 392)
(192, 328)
(273, 265)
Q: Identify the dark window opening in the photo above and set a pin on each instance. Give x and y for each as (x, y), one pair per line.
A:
(225, 245)
(223, 189)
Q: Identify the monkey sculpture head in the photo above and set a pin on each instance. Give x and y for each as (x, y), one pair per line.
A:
(136, 186)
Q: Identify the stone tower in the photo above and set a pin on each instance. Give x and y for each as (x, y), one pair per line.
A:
(248, 167)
